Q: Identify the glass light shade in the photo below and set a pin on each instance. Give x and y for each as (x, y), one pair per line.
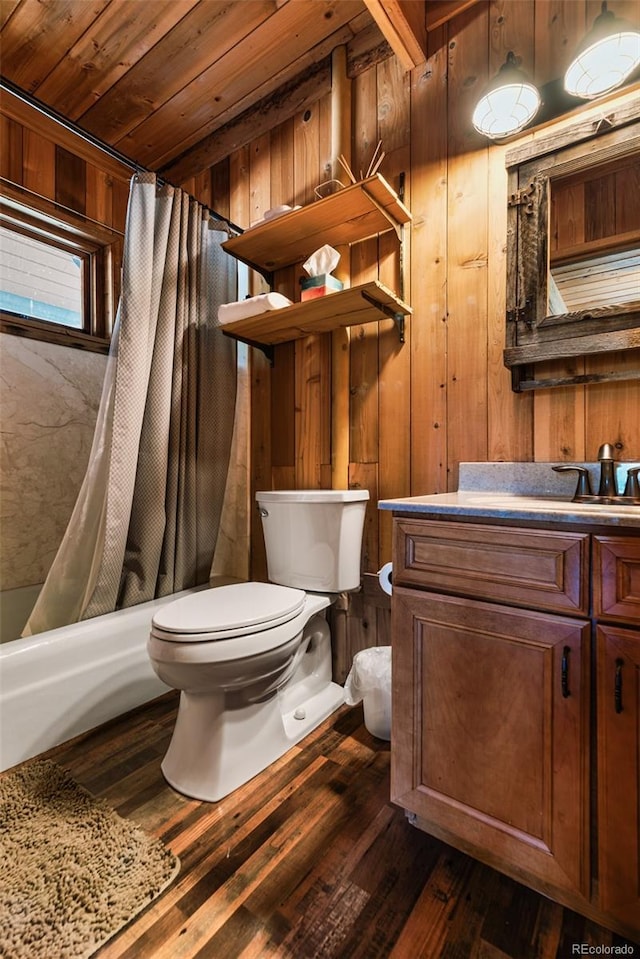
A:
(506, 109)
(609, 53)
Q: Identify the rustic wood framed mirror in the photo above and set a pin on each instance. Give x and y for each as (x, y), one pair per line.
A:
(573, 247)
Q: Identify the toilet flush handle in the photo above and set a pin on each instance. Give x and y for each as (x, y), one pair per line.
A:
(262, 511)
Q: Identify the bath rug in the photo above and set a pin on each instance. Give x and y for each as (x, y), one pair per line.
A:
(72, 871)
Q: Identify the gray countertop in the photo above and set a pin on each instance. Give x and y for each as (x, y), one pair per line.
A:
(521, 491)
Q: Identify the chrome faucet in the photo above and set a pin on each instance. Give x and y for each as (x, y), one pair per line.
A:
(607, 490)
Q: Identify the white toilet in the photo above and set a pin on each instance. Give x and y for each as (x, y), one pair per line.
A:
(253, 660)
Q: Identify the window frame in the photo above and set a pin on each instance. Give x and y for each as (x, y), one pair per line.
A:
(100, 248)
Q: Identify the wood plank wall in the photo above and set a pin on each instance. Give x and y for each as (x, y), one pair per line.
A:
(417, 410)
(52, 163)
(38, 154)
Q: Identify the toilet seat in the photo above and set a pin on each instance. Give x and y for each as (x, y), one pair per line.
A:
(227, 611)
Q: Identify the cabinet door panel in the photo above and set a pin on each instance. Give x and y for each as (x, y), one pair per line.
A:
(541, 569)
(619, 772)
(486, 747)
(616, 578)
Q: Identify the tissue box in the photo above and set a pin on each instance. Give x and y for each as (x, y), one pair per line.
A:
(313, 286)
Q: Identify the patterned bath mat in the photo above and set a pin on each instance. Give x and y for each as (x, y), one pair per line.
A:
(72, 871)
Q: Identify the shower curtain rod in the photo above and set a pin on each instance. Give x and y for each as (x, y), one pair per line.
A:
(57, 117)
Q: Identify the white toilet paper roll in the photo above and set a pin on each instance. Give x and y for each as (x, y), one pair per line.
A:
(385, 578)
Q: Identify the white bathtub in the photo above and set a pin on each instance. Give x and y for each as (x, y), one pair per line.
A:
(58, 684)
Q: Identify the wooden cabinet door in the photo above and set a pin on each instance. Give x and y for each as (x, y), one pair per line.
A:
(618, 684)
(490, 732)
(616, 579)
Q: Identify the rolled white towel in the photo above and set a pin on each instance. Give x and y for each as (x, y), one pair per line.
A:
(253, 305)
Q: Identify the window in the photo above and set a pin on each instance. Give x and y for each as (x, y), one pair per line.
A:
(58, 275)
(40, 280)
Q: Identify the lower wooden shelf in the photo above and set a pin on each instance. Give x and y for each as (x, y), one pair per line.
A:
(366, 303)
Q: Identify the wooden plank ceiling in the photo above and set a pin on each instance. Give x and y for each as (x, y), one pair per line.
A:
(171, 84)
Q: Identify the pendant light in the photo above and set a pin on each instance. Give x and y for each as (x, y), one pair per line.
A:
(609, 53)
(508, 104)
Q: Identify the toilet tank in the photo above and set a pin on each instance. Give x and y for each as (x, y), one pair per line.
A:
(313, 538)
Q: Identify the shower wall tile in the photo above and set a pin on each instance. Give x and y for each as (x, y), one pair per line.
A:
(49, 398)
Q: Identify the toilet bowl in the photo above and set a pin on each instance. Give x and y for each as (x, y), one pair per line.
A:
(252, 661)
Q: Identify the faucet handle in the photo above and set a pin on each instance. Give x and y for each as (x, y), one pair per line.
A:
(632, 486)
(584, 484)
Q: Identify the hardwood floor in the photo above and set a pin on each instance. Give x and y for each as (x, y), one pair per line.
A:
(309, 860)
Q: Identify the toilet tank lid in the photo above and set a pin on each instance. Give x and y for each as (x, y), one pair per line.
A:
(313, 496)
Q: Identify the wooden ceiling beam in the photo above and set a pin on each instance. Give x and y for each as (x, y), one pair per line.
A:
(406, 23)
(402, 23)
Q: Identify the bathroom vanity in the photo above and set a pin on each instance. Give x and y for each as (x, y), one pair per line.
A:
(516, 709)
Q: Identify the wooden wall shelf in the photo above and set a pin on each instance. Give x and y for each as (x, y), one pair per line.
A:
(359, 211)
(366, 303)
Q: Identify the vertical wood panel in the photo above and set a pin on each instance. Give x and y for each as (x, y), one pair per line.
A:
(260, 374)
(559, 418)
(365, 476)
(428, 203)
(509, 414)
(559, 413)
(308, 401)
(11, 153)
(282, 164)
(71, 180)
(394, 129)
(599, 208)
(559, 27)
(628, 185)
(120, 202)
(394, 376)
(363, 376)
(567, 216)
(612, 410)
(283, 373)
(220, 191)
(626, 9)
(337, 118)
(259, 177)
(39, 159)
(306, 155)
(202, 188)
(467, 251)
(99, 195)
(364, 393)
(607, 406)
(313, 353)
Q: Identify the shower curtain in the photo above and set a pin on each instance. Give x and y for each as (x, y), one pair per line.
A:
(147, 516)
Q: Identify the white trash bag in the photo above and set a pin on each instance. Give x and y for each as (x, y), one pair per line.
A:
(369, 680)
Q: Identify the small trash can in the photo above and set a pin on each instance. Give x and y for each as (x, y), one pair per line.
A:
(369, 680)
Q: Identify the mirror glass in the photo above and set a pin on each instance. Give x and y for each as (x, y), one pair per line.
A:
(594, 238)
